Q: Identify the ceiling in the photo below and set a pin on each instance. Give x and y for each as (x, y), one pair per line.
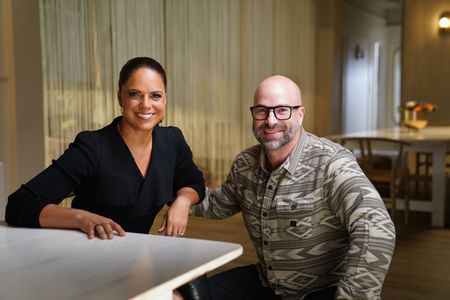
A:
(381, 8)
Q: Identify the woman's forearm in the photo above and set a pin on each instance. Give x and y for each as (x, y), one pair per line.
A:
(55, 216)
(188, 194)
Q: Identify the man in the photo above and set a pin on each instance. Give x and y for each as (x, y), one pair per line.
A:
(319, 227)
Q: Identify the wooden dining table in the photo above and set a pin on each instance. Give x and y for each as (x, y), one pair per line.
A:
(431, 139)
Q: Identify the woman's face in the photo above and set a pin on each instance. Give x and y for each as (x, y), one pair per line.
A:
(143, 99)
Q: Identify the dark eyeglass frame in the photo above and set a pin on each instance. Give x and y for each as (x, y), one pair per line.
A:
(273, 108)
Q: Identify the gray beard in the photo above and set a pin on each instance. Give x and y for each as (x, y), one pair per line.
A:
(288, 135)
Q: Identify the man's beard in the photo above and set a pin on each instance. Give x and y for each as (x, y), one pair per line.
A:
(288, 135)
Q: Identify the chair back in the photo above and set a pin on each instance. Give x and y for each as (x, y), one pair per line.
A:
(384, 163)
(376, 154)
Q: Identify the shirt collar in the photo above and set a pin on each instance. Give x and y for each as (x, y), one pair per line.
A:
(291, 163)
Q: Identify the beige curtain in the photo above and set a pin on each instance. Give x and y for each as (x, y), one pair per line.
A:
(214, 51)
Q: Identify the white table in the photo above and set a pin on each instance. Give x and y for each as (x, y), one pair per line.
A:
(64, 264)
(433, 139)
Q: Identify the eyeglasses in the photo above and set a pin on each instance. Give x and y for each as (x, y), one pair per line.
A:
(281, 112)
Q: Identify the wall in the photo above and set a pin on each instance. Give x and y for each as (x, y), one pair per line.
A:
(21, 113)
(364, 75)
(7, 96)
(273, 36)
(28, 89)
(391, 117)
(327, 117)
(426, 57)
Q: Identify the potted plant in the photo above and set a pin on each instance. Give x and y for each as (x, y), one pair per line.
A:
(415, 113)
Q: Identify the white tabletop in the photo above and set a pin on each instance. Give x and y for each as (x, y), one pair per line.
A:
(430, 134)
(432, 139)
(64, 264)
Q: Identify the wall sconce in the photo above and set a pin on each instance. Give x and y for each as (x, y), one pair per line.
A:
(444, 22)
(358, 53)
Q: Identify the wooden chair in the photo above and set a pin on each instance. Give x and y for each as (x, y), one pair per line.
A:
(423, 163)
(423, 171)
(384, 163)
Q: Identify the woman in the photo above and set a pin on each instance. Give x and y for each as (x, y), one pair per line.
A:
(122, 174)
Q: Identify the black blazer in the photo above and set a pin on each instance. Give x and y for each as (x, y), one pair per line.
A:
(99, 168)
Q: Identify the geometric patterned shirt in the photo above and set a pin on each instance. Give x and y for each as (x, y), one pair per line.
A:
(315, 222)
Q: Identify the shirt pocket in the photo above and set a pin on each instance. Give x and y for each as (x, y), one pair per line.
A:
(294, 218)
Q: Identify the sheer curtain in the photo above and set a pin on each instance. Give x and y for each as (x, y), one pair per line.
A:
(214, 51)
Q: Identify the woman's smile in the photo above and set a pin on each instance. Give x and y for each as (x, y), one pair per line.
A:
(145, 116)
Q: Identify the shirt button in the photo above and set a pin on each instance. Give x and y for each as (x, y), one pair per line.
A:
(293, 206)
(270, 187)
(293, 223)
(266, 243)
(264, 214)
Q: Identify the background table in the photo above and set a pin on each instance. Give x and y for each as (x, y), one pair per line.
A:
(433, 139)
(64, 264)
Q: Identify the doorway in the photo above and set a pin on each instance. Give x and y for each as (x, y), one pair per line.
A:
(356, 100)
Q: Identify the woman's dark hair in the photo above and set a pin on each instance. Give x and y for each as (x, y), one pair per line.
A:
(137, 63)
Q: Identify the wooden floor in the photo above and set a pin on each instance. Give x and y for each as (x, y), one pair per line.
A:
(420, 268)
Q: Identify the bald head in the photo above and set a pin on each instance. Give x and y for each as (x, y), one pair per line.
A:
(277, 90)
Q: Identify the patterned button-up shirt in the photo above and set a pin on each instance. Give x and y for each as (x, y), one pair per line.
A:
(316, 221)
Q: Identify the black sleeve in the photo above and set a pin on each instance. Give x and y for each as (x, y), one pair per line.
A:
(187, 174)
(54, 183)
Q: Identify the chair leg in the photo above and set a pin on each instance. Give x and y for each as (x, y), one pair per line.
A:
(406, 198)
(417, 171)
(424, 161)
(428, 165)
(392, 195)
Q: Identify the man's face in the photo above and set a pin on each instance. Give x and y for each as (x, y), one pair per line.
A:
(273, 133)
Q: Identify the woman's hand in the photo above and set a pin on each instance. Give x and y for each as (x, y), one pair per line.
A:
(176, 218)
(94, 224)
(54, 216)
(176, 295)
